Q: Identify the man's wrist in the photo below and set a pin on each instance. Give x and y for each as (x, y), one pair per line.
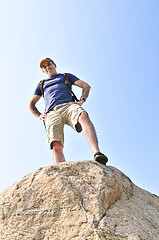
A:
(82, 98)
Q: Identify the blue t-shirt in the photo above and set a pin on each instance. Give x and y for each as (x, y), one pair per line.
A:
(55, 90)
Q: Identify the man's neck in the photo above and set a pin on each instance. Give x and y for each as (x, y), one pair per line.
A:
(52, 75)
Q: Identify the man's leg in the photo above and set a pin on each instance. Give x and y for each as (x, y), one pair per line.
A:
(89, 131)
(58, 152)
(90, 134)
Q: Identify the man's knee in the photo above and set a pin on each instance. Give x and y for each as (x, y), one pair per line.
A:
(83, 116)
(57, 146)
(85, 121)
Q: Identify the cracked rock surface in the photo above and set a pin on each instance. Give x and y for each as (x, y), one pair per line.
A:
(78, 201)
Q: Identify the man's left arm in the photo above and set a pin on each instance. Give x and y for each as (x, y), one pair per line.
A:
(85, 90)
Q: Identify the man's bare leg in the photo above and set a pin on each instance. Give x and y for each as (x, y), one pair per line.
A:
(89, 131)
(90, 134)
(58, 152)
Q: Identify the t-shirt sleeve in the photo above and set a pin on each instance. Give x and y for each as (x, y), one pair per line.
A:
(72, 78)
(38, 90)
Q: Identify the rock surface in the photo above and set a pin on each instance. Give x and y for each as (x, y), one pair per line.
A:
(78, 201)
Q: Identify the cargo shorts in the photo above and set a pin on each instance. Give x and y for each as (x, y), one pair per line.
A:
(67, 113)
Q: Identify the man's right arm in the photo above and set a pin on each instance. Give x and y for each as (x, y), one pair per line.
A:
(33, 108)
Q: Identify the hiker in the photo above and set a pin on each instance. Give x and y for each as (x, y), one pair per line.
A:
(60, 109)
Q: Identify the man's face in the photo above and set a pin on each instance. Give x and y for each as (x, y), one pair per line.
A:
(49, 68)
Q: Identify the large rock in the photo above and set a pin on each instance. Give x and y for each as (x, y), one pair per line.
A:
(78, 201)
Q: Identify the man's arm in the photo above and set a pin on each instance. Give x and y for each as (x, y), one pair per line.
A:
(33, 108)
(85, 89)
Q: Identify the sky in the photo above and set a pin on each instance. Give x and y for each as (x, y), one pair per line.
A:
(110, 44)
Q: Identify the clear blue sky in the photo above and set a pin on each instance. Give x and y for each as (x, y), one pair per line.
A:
(111, 44)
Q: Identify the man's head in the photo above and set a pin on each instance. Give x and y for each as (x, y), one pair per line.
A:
(48, 66)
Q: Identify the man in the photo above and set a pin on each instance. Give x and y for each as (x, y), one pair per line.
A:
(60, 110)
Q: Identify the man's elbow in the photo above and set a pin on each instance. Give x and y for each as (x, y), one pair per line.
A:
(30, 105)
(89, 87)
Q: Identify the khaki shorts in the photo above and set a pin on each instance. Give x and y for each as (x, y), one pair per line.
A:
(60, 115)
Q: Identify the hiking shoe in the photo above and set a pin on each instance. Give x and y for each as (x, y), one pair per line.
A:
(101, 158)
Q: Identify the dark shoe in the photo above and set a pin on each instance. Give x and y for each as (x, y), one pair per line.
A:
(78, 127)
(101, 158)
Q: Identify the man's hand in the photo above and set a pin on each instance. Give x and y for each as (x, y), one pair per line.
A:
(80, 102)
(42, 116)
